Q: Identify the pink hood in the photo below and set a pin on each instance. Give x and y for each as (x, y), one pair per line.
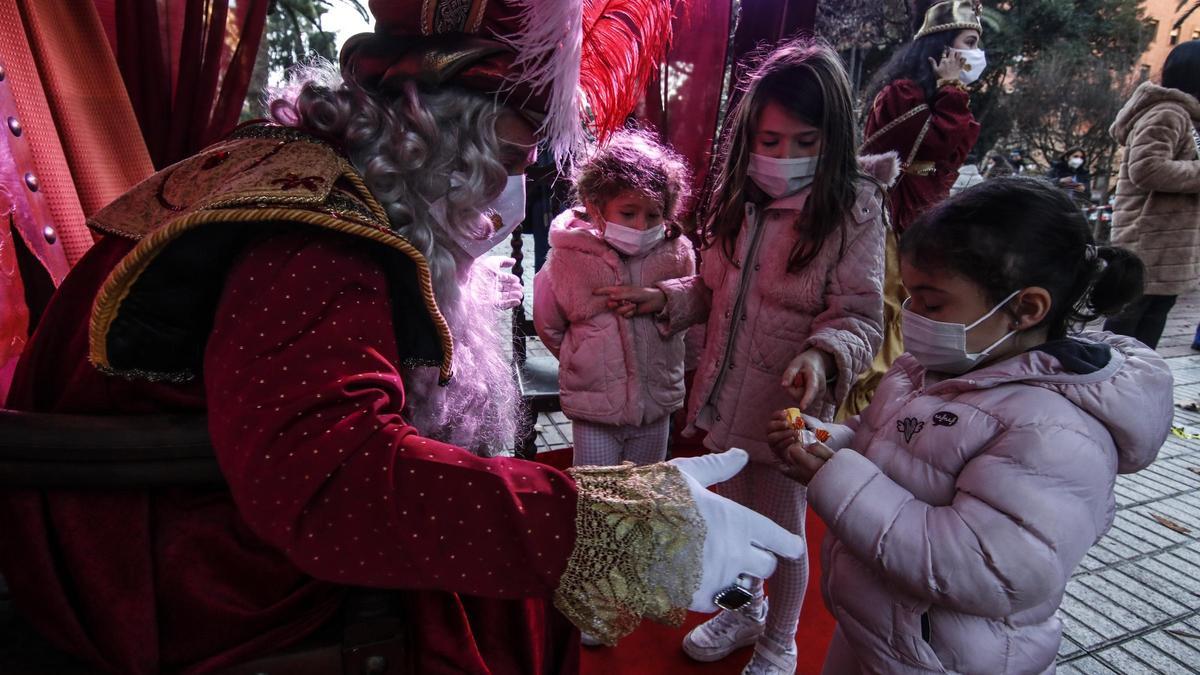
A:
(1132, 396)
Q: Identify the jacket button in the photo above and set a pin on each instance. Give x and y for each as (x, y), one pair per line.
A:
(718, 418)
(14, 125)
(50, 235)
(757, 266)
(31, 182)
(743, 317)
(731, 365)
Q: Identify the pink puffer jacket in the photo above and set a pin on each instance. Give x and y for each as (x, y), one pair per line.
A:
(612, 370)
(957, 521)
(760, 316)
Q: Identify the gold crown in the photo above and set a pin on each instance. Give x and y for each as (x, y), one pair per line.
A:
(952, 15)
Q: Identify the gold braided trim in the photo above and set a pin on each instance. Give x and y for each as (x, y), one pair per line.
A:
(912, 156)
(958, 25)
(428, 7)
(119, 283)
(365, 194)
(638, 546)
(895, 123)
(476, 19)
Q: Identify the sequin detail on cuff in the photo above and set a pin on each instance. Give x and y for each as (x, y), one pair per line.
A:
(638, 550)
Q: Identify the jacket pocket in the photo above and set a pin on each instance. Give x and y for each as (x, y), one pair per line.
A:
(666, 383)
(912, 634)
(585, 375)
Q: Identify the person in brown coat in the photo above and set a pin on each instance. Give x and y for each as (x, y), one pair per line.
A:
(1157, 211)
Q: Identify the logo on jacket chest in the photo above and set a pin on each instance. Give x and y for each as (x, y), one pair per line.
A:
(909, 427)
(944, 419)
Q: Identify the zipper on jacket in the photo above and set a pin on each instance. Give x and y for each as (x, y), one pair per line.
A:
(738, 304)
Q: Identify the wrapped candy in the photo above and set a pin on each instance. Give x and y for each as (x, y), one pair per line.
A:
(796, 419)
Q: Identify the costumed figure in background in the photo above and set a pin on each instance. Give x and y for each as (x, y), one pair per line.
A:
(309, 284)
(919, 110)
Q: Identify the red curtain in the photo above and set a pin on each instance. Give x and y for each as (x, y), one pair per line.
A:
(186, 65)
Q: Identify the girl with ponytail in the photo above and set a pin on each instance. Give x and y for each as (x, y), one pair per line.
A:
(961, 499)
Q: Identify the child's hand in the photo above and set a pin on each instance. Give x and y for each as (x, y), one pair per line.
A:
(805, 377)
(796, 460)
(628, 301)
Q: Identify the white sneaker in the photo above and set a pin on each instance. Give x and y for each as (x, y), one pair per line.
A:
(771, 658)
(725, 633)
(589, 640)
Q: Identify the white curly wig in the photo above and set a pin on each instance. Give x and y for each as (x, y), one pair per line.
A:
(406, 149)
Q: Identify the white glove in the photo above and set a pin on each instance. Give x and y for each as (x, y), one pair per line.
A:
(508, 286)
(738, 540)
(840, 435)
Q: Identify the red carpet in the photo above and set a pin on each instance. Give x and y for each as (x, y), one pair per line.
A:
(654, 649)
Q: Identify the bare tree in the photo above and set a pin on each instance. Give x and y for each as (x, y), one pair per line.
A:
(1062, 102)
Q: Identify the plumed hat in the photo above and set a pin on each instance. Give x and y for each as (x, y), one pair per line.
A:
(551, 60)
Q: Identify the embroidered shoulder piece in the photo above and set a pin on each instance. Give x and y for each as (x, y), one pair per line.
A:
(152, 316)
(639, 541)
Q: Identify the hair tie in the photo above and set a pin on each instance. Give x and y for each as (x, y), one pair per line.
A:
(1091, 253)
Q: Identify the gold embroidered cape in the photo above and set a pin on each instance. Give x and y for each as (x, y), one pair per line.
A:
(153, 314)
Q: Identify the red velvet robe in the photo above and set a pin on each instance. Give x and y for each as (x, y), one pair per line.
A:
(329, 487)
(951, 135)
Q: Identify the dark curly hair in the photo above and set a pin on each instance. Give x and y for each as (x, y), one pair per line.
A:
(634, 160)
(1007, 234)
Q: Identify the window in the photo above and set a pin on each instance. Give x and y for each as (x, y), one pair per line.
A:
(1152, 26)
(1196, 34)
(1174, 35)
(1144, 73)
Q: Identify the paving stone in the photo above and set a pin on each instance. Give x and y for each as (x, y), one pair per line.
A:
(1142, 599)
(1118, 606)
(1087, 666)
(1161, 566)
(1156, 658)
(1123, 660)
(1183, 649)
(1090, 625)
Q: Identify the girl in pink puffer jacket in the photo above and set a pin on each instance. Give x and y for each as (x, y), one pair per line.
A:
(966, 493)
(791, 289)
(619, 378)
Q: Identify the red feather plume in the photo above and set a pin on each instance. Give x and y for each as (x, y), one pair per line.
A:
(623, 43)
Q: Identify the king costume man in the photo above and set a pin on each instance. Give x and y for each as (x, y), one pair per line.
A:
(310, 284)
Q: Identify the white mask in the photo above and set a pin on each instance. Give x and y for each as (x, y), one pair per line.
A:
(509, 206)
(782, 177)
(942, 347)
(633, 242)
(1075, 162)
(976, 64)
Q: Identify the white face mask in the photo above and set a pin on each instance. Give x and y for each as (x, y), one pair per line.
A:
(1075, 162)
(942, 347)
(782, 177)
(976, 64)
(630, 241)
(509, 206)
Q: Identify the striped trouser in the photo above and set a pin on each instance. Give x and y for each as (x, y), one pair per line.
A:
(763, 488)
(609, 444)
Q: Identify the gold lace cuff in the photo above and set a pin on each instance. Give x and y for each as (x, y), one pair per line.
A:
(638, 547)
